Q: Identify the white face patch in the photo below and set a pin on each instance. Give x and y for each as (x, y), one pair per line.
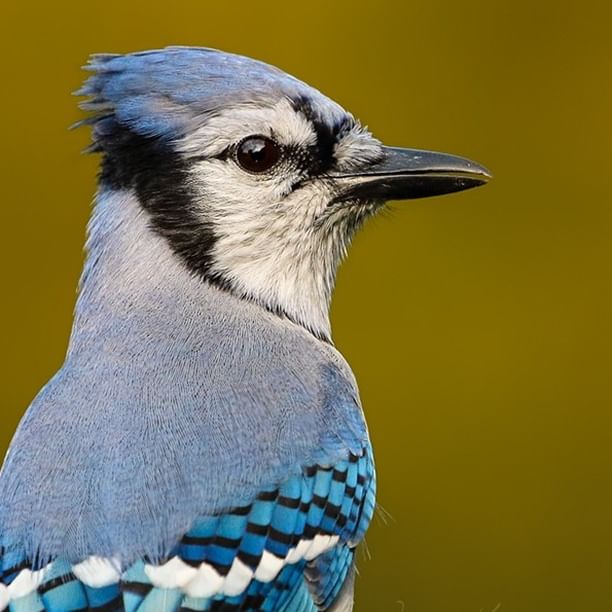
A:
(280, 122)
(356, 149)
(269, 245)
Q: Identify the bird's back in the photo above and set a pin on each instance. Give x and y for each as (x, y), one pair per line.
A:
(215, 455)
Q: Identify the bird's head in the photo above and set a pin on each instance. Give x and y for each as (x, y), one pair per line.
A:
(256, 180)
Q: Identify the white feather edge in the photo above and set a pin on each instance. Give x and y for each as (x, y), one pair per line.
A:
(4, 596)
(197, 582)
(98, 572)
(25, 583)
(205, 581)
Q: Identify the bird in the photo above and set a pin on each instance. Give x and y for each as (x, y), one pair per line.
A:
(203, 446)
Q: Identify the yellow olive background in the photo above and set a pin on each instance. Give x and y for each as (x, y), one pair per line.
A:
(478, 324)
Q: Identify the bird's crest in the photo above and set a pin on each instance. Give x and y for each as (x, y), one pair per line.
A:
(167, 93)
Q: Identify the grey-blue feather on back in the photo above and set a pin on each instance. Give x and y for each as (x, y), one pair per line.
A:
(180, 405)
(176, 400)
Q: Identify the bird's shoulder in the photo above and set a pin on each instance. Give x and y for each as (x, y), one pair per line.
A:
(290, 548)
(121, 459)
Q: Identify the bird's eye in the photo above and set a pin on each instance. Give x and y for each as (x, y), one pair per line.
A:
(257, 154)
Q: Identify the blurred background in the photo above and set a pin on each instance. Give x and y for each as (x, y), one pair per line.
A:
(478, 325)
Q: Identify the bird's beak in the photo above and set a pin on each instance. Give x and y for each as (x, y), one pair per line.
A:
(404, 174)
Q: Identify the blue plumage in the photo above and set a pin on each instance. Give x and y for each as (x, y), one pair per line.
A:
(192, 426)
(301, 508)
(203, 446)
(165, 94)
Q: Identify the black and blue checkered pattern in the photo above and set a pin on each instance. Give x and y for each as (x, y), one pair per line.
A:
(335, 500)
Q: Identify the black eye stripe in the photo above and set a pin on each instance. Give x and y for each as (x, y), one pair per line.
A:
(327, 135)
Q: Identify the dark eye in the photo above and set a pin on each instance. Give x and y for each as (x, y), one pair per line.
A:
(257, 154)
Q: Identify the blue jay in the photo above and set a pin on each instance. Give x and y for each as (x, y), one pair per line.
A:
(203, 446)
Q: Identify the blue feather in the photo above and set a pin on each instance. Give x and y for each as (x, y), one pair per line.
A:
(161, 93)
(275, 522)
(186, 421)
